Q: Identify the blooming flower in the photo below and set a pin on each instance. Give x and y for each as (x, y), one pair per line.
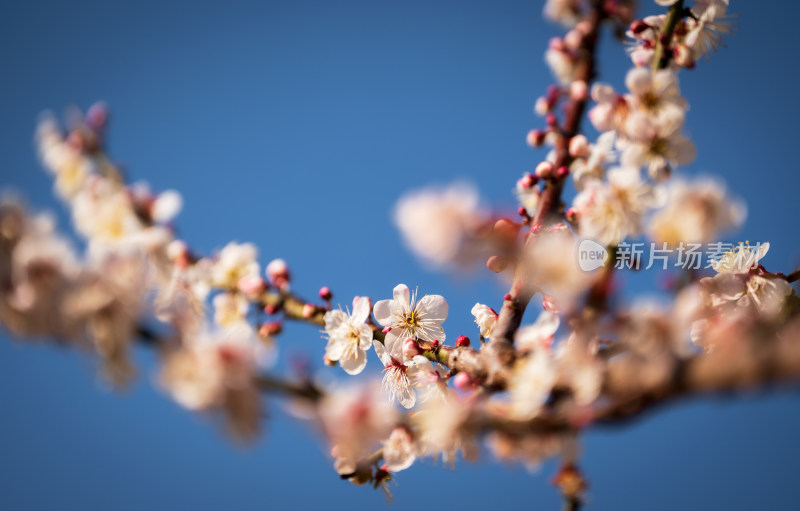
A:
(532, 380)
(235, 261)
(230, 309)
(408, 318)
(439, 225)
(215, 371)
(485, 317)
(696, 211)
(609, 212)
(349, 337)
(399, 451)
(353, 419)
(400, 377)
(741, 258)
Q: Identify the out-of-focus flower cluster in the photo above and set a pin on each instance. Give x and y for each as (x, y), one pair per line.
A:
(529, 387)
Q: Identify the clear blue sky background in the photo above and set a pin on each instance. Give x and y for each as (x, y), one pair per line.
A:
(296, 125)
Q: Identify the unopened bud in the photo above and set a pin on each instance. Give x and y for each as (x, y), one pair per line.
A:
(544, 170)
(579, 146)
(542, 106)
(270, 328)
(386, 329)
(506, 230)
(251, 285)
(462, 382)
(527, 181)
(535, 138)
(278, 273)
(309, 310)
(325, 293)
(562, 172)
(463, 340)
(578, 90)
(410, 348)
(639, 26)
(272, 308)
(497, 263)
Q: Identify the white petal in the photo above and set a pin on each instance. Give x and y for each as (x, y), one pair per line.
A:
(334, 319)
(360, 309)
(381, 352)
(383, 312)
(435, 307)
(355, 365)
(401, 293)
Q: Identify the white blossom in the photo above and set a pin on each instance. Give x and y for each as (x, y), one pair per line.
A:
(408, 318)
(349, 337)
(485, 318)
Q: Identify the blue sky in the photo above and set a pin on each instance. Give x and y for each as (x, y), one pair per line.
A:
(296, 125)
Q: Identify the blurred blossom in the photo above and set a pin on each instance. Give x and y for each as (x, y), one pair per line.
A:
(696, 211)
(441, 225)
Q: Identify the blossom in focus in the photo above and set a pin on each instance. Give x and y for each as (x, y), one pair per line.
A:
(408, 318)
(440, 225)
(349, 337)
(485, 318)
(741, 258)
(399, 376)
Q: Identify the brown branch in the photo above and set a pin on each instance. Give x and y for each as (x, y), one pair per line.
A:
(500, 349)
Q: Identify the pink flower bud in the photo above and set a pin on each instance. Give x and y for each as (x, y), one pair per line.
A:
(578, 90)
(325, 293)
(251, 285)
(639, 26)
(386, 329)
(462, 340)
(573, 39)
(497, 263)
(506, 230)
(549, 304)
(278, 272)
(579, 147)
(272, 308)
(270, 328)
(556, 44)
(544, 170)
(463, 382)
(542, 106)
(527, 181)
(535, 138)
(309, 310)
(410, 348)
(562, 172)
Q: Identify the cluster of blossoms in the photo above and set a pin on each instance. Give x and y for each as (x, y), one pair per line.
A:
(529, 389)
